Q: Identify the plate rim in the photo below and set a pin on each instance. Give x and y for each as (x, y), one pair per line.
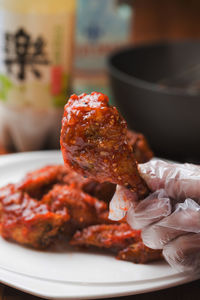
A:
(179, 278)
(97, 295)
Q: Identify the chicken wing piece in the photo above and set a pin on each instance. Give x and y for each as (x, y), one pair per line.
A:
(83, 209)
(94, 142)
(27, 221)
(105, 190)
(139, 254)
(40, 181)
(114, 237)
(140, 146)
(102, 191)
(117, 238)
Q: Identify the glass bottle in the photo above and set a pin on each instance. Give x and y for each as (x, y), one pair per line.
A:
(36, 39)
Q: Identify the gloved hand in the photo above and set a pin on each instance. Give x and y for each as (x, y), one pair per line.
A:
(170, 216)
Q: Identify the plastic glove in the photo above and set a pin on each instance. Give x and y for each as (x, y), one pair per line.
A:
(180, 181)
(169, 218)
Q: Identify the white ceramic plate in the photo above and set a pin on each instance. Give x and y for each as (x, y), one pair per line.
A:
(64, 273)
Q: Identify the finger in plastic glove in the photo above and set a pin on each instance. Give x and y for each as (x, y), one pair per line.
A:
(121, 202)
(186, 218)
(183, 253)
(180, 181)
(150, 210)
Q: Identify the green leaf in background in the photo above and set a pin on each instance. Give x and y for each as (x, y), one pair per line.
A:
(5, 86)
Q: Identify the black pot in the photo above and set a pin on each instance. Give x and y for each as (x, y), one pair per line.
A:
(168, 116)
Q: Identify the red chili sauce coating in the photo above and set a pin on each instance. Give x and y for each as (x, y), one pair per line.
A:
(26, 220)
(94, 142)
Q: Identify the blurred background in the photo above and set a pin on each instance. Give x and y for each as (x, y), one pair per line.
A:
(144, 54)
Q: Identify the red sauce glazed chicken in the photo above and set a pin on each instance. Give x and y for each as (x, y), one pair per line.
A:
(94, 143)
(56, 202)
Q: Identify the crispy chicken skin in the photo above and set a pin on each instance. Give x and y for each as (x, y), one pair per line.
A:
(83, 209)
(63, 210)
(27, 221)
(34, 223)
(109, 236)
(105, 190)
(118, 238)
(40, 181)
(94, 142)
(139, 254)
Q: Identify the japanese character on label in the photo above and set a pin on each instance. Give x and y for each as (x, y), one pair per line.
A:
(21, 50)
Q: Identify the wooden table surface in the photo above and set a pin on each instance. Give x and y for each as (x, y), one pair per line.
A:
(188, 291)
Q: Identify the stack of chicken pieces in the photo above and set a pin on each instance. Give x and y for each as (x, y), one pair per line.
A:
(55, 202)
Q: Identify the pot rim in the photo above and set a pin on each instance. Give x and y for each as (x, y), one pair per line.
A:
(136, 82)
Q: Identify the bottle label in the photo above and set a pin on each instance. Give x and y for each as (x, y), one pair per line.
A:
(35, 58)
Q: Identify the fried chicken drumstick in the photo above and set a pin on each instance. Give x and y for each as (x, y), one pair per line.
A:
(94, 142)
